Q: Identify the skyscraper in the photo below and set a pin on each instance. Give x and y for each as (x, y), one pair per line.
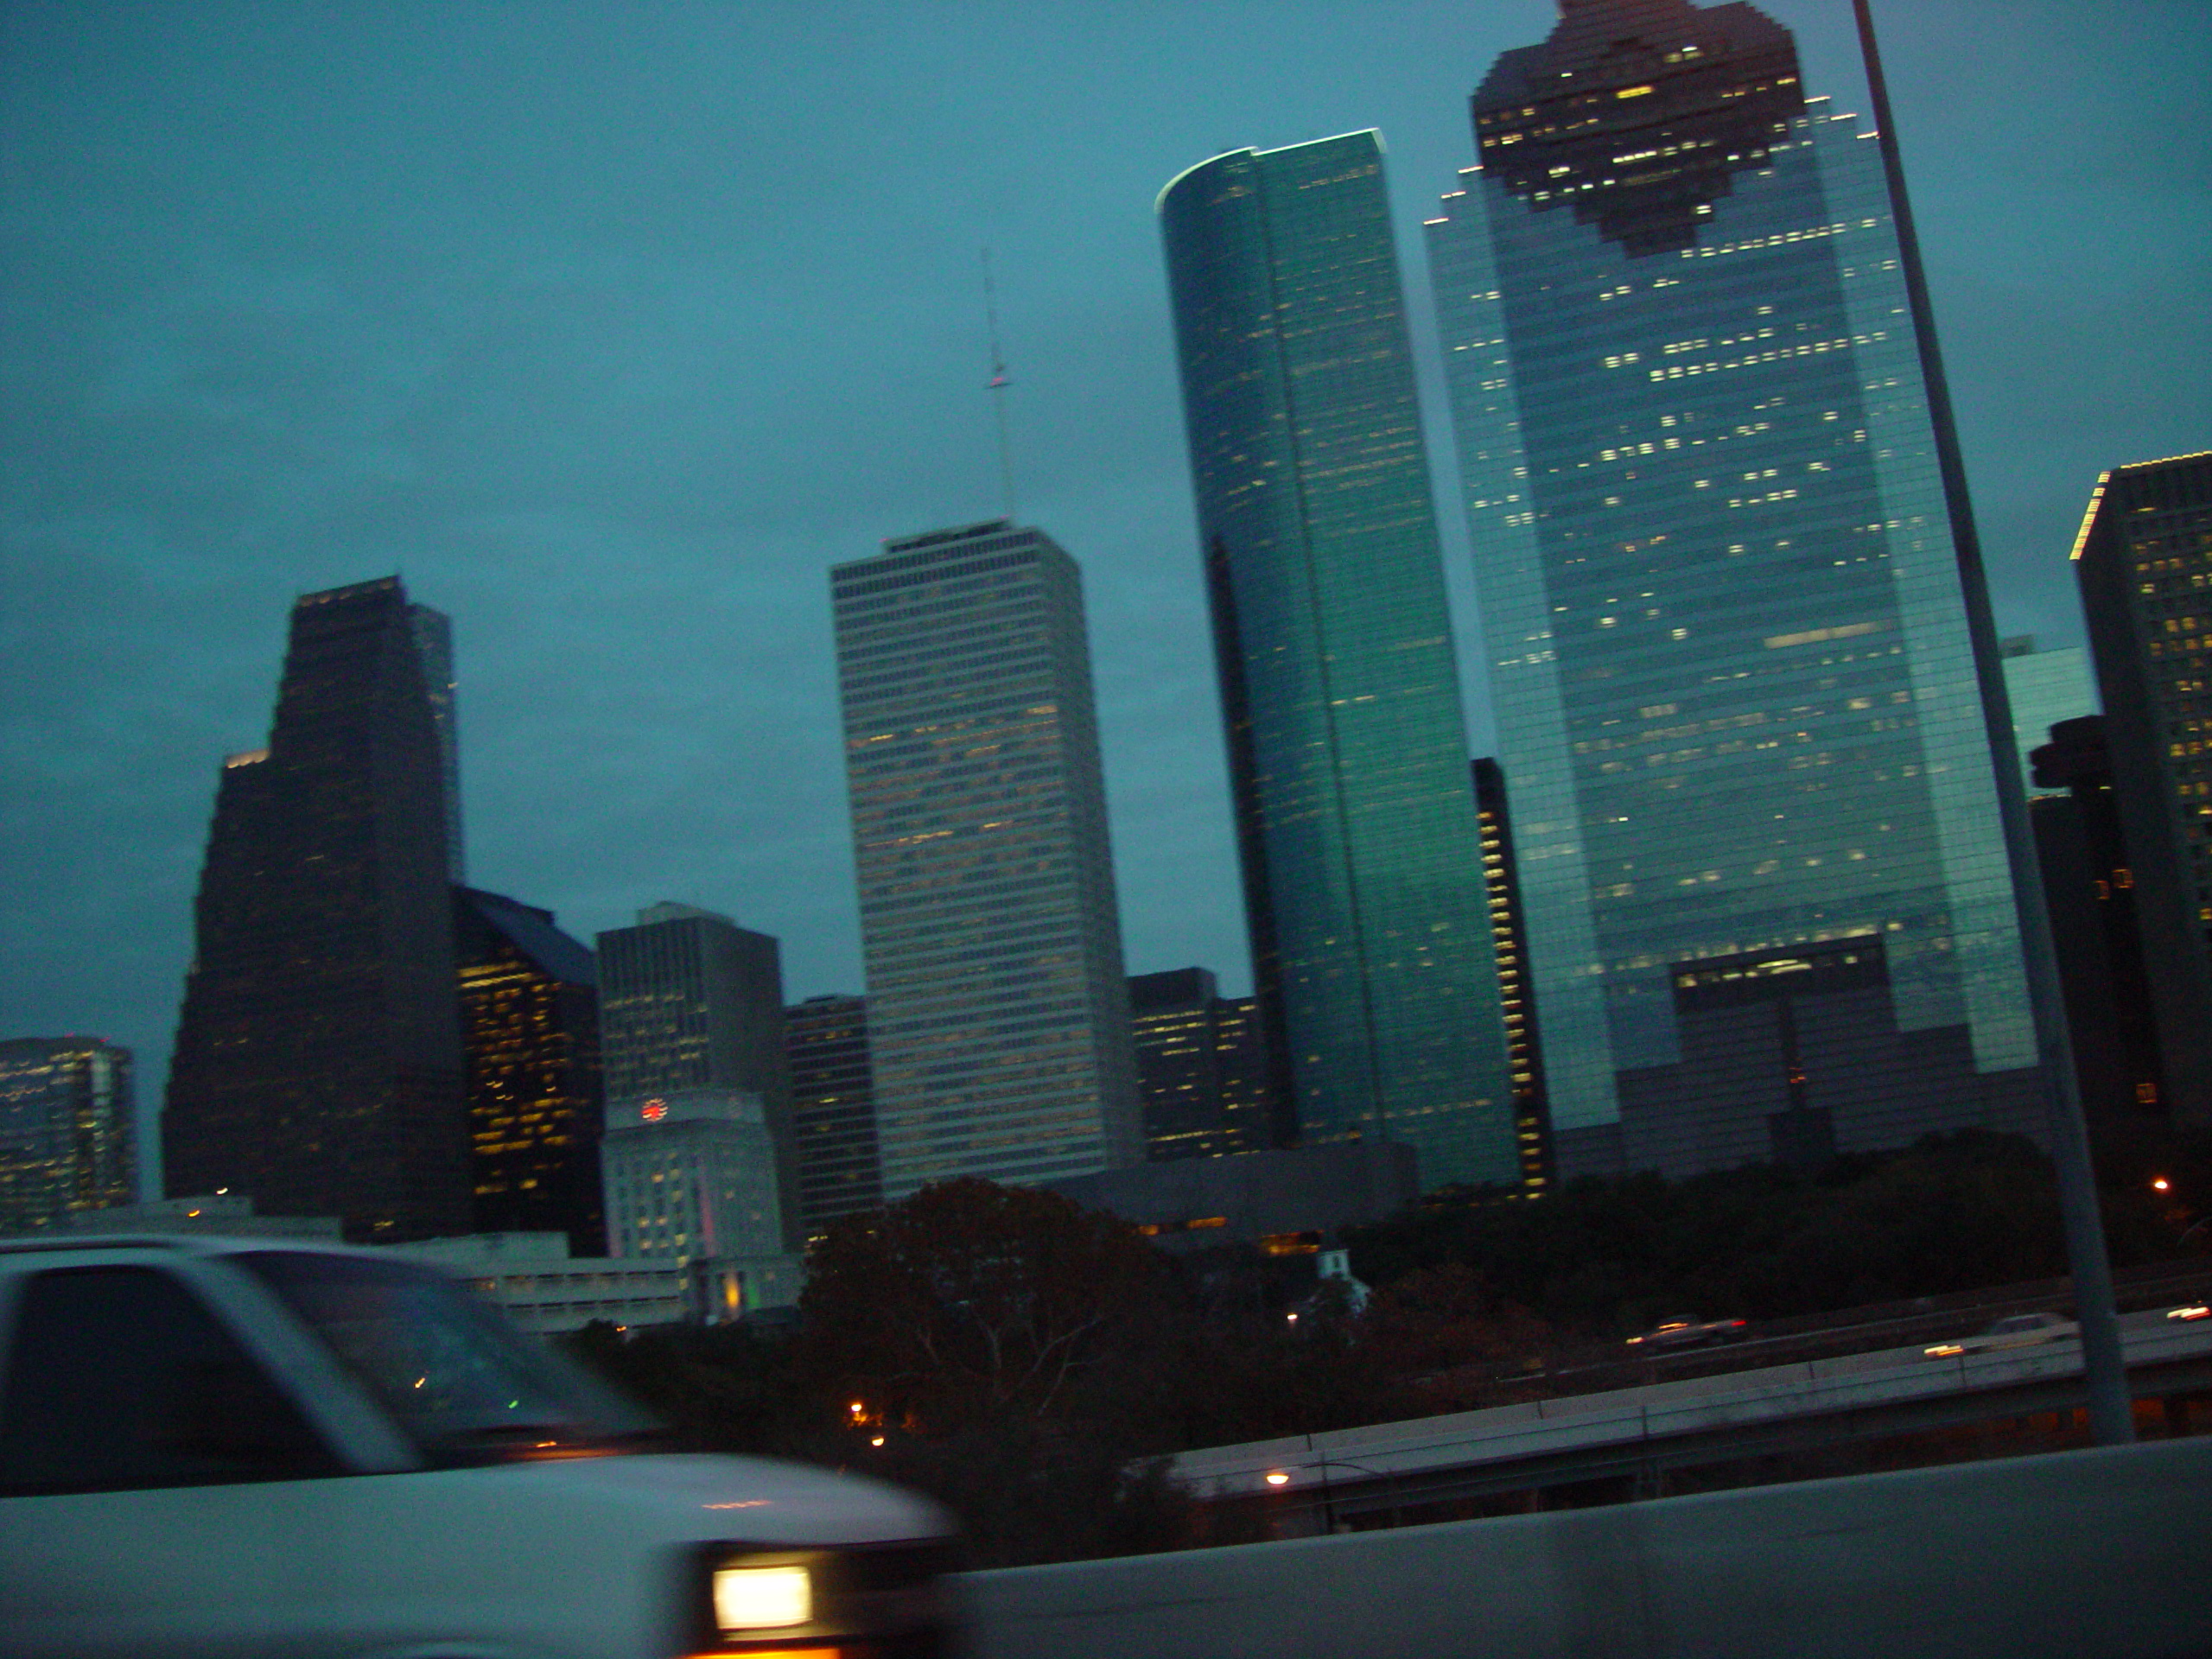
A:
(69, 1138)
(2113, 1000)
(1348, 755)
(690, 1001)
(318, 1062)
(833, 1110)
(2144, 558)
(530, 1030)
(998, 1016)
(1202, 1069)
(1732, 655)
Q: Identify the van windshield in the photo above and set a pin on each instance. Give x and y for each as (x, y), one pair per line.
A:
(467, 1385)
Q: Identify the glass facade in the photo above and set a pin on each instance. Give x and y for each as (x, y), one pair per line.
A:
(688, 1001)
(530, 1029)
(1730, 654)
(998, 1015)
(2043, 687)
(318, 1059)
(68, 1136)
(1356, 820)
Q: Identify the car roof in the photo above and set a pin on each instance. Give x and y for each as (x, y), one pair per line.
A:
(183, 1244)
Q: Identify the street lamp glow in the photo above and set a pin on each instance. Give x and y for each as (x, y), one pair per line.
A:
(1276, 1477)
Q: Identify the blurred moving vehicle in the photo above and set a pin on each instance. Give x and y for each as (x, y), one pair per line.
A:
(2189, 1310)
(1689, 1332)
(252, 1447)
(2014, 1331)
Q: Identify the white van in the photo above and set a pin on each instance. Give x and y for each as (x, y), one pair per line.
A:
(251, 1447)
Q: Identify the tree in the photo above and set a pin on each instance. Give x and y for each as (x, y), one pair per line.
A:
(968, 1303)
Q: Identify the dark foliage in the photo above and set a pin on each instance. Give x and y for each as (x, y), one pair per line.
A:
(1604, 1257)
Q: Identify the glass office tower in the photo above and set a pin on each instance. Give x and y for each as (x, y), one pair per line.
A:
(1348, 754)
(1729, 649)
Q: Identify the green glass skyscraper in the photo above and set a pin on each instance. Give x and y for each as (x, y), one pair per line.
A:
(1731, 650)
(1355, 816)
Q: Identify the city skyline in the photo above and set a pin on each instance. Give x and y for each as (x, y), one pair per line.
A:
(568, 380)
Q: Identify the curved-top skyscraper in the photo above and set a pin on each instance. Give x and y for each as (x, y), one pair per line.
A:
(1355, 816)
(1731, 654)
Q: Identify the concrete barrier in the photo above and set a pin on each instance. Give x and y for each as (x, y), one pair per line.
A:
(2094, 1554)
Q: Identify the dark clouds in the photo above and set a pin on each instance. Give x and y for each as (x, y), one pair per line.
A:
(612, 326)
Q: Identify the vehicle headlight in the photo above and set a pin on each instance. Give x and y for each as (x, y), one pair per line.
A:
(762, 1598)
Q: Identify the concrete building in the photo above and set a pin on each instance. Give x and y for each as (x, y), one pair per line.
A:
(1742, 689)
(545, 1290)
(1371, 953)
(998, 1017)
(691, 1176)
(2144, 559)
(68, 1133)
(318, 1059)
(692, 1005)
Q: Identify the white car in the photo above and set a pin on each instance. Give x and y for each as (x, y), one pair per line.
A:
(253, 1448)
(2015, 1330)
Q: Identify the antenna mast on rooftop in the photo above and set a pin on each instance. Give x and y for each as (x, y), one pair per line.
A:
(999, 383)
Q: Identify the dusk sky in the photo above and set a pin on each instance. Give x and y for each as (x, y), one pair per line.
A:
(611, 326)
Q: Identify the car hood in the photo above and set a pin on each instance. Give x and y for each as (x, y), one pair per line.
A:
(759, 1500)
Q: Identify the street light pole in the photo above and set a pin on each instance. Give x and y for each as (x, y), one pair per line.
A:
(2112, 1412)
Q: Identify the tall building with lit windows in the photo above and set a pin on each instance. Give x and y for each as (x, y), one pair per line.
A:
(1202, 1069)
(530, 1030)
(1371, 954)
(1509, 932)
(2144, 559)
(1741, 687)
(318, 1059)
(998, 1016)
(69, 1138)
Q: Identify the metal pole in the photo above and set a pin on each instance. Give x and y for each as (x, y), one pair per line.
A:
(2112, 1412)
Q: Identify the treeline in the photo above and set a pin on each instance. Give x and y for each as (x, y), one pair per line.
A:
(1603, 1258)
(1029, 1363)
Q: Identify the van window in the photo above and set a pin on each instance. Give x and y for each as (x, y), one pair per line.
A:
(119, 1378)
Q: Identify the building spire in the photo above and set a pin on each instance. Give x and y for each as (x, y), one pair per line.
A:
(998, 385)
